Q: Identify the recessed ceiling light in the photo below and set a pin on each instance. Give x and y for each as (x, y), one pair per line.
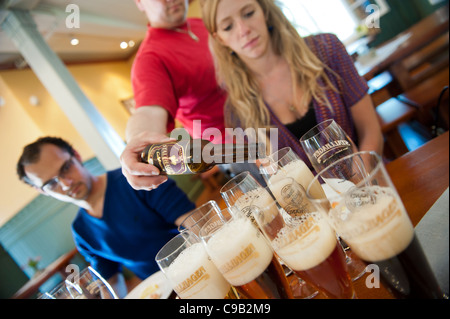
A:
(123, 45)
(131, 43)
(74, 41)
(34, 100)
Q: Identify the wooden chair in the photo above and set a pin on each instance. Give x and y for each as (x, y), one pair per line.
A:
(441, 114)
(424, 97)
(382, 87)
(423, 63)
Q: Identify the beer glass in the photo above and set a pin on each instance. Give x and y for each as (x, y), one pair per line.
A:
(303, 240)
(372, 220)
(284, 163)
(245, 259)
(198, 216)
(89, 284)
(60, 292)
(185, 263)
(325, 143)
(239, 192)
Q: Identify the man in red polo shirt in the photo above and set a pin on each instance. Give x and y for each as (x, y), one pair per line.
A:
(173, 77)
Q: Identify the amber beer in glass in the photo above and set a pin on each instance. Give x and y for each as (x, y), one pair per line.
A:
(304, 241)
(372, 220)
(187, 266)
(242, 255)
(286, 163)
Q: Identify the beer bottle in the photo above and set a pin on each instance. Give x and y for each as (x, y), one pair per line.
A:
(195, 156)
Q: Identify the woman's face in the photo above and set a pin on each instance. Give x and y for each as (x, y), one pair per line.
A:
(241, 26)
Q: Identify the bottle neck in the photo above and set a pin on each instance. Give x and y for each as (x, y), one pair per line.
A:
(236, 153)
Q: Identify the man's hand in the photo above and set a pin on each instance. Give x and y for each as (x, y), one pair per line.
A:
(142, 176)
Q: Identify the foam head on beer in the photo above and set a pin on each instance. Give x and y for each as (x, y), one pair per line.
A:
(238, 250)
(193, 275)
(376, 228)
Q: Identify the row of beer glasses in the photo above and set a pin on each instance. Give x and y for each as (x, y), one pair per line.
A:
(230, 253)
(364, 208)
(282, 222)
(242, 254)
(186, 263)
(367, 212)
(298, 235)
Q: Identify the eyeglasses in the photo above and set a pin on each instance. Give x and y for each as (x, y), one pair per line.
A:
(53, 183)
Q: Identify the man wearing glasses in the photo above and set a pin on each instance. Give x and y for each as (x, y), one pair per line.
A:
(116, 225)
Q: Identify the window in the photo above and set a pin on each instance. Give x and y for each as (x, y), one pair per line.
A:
(341, 17)
(320, 16)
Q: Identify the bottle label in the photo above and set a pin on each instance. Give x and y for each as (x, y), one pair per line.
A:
(169, 157)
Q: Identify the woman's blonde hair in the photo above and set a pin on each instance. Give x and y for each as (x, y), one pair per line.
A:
(244, 96)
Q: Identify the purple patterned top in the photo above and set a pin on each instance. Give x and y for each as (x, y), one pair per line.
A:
(350, 85)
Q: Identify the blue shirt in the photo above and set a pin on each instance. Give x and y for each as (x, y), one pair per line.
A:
(135, 225)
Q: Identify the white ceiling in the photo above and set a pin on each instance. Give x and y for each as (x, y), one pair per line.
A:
(104, 24)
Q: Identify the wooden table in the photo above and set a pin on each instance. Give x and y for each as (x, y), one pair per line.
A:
(420, 177)
(58, 266)
(405, 43)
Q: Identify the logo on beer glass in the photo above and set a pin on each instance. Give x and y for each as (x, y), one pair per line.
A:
(242, 258)
(295, 202)
(194, 279)
(327, 151)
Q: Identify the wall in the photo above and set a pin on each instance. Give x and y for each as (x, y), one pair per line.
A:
(16, 129)
(402, 15)
(105, 84)
(32, 225)
(194, 9)
(41, 229)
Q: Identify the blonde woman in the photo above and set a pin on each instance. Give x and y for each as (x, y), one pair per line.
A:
(275, 78)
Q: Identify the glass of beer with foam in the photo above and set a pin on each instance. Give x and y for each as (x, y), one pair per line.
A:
(188, 268)
(285, 163)
(89, 284)
(239, 191)
(243, 256)
(303, 240)
(369, 215)
(199, 216)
